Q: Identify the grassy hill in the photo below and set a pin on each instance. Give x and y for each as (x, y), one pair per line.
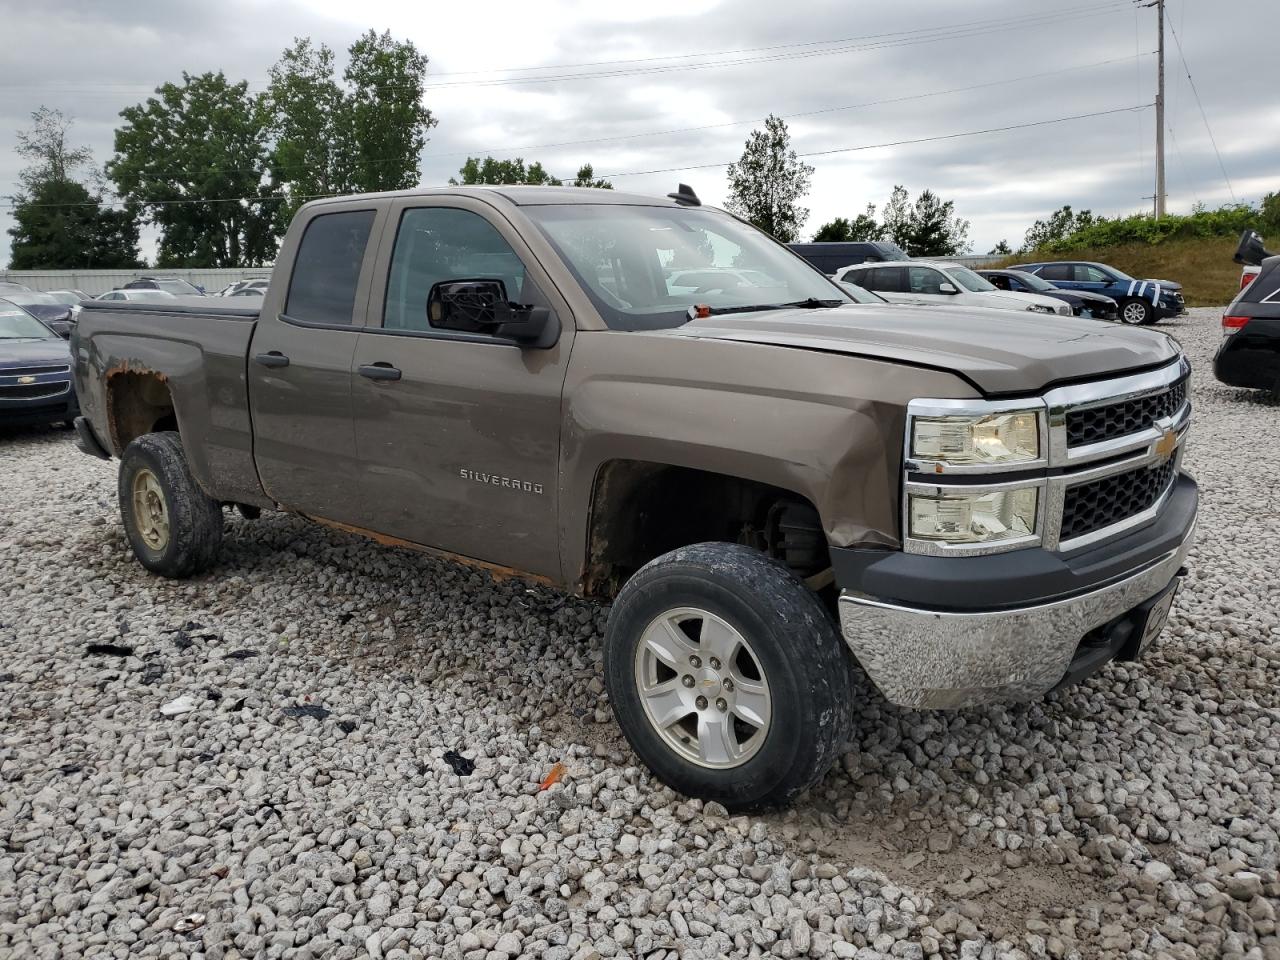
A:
(1203, 265)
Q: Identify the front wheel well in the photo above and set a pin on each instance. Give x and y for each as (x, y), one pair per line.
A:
(642, 510)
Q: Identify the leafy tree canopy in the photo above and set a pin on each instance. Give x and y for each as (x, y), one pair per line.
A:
(194, 160)
(863, 227)
(768, 182)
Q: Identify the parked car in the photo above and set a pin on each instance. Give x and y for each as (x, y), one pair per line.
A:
(11, 285)
(829, 257)
(1249, 355)
(943, 284)
(760, 488)
(141, 296)
(1142, 302)
(858, 295)
(69, 297)
(174, 285)
(1250, 254)
(235, 286)
(55, 314)
(1083, 303)
(35, 371)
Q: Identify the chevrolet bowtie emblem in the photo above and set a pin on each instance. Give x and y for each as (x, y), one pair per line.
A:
(1167, 444)
(26, 379)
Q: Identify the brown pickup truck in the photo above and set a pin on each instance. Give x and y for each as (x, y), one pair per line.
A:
(652, 403)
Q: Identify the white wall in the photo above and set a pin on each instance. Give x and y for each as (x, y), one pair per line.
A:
(94, 282)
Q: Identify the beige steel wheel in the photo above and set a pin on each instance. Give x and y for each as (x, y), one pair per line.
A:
(150, 511)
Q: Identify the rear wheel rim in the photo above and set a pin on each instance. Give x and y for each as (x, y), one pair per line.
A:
(150, 510)
(703, 688)
(1134, 313)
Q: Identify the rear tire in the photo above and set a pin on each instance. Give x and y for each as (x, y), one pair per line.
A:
(750, 730)
(1137, 312)
(173, 526)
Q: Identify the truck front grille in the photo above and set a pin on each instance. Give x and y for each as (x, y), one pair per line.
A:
(1096, 424)
(34, 371)
(1089, 507)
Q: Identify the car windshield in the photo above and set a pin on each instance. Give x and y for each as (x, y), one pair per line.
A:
(28, 298)
(1116, 274)
(860, 295)
(65, 296)
(891, 251)
(1031, 281)
(970, 280)
(17, 324)
(178, 288)
(153, 296)
(644, 267)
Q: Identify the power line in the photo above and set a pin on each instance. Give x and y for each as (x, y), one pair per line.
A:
(500, 151)
(1203, 115)
(848, 45)
(636, 173)
(899, 143)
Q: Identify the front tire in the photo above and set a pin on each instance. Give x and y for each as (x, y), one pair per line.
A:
(1137, 313)
(727, 676)
(173, 526)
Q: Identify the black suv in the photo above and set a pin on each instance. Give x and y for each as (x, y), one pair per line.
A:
(1250, 352)
(830, 257)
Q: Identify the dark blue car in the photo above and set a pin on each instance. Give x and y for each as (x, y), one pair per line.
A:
(1140, 301)
(35, 371)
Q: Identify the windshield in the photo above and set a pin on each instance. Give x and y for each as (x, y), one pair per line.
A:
(1117, 274)
(178, 288)
(644, 267)
(29, 298)
(860, 295)
(153, 296)
(891, 251)
(970, 280)
(17, 324)
(1031, 281)
(65, 296)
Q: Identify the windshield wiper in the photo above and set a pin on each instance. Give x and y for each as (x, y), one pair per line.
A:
(698, 311)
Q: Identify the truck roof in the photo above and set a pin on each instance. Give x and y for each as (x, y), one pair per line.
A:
(521, 196)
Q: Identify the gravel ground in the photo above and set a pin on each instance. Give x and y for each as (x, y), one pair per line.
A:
(359, 770)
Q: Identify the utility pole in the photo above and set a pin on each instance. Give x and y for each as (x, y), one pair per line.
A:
(1160, 197)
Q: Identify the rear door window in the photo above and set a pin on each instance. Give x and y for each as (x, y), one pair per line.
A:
(1055, 271)
(327, 268)
(886, 280)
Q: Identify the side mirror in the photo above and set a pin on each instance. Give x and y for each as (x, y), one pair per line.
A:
(947, 288)
(482, 305)
(1251, 251)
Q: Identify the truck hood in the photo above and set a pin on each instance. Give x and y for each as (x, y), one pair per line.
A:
(998, 351)
(25, 353)
(1019, 301)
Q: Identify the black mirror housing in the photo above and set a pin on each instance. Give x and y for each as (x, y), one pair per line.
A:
(482, 304)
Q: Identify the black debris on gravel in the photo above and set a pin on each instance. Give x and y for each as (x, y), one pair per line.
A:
(109, 649)
(347, 726)
(313, 710)
(152, 673)
(241, 654)
(460, 764)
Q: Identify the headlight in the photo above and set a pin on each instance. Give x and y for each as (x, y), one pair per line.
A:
(1039, 308)
(994, 438)
(974, 518)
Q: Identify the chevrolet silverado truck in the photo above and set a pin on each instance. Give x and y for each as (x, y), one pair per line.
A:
(769, 483)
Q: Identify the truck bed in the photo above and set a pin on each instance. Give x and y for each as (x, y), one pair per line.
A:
(198, 347)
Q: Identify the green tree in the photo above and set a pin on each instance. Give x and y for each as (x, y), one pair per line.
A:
(1058, 226)
(306, 116)
(1269, 213)
(1001, 249)
(587, 178)
(387, 121)
(935, 230)
(896, 221)
(768, 182)
(59, 223)
(862, 227)
(194, 160)
(489, 170)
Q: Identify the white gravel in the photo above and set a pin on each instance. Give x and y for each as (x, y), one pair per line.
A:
(308, 804)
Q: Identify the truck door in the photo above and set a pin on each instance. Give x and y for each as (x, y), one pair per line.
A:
(458, 430)
(299, 367)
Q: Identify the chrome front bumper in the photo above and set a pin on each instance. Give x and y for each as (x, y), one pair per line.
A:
(933, 659)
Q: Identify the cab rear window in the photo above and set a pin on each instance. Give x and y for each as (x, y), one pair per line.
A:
(325, 272)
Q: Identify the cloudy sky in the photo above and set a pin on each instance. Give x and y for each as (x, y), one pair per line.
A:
(698, 74)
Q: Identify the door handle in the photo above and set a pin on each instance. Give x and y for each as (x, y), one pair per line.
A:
(379, 371)
(272, 359)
